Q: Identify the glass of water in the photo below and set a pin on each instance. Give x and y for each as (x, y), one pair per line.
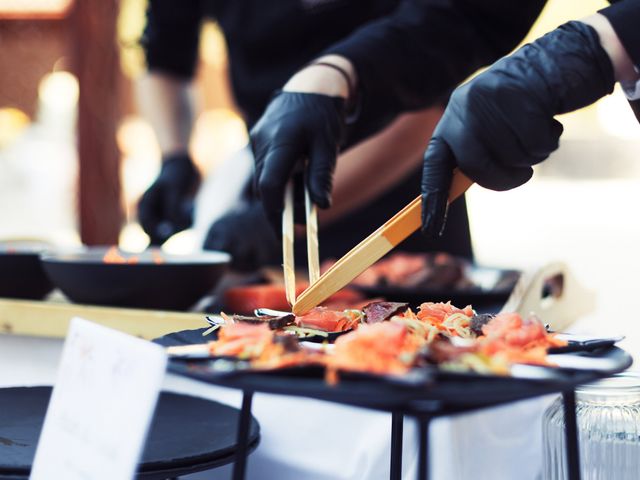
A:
(608, 415)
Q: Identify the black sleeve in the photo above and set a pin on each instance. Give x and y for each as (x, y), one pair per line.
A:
(171, 36)
(415, 56)
(625, 20)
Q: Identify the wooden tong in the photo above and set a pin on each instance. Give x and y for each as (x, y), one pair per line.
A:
(288, 235)
(367, 252)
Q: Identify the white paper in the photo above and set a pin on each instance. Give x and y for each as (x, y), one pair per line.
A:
(103, 400)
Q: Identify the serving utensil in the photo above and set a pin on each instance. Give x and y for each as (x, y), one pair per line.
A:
(313, 257)
(371, 249)
(584, 343)
(288, 264)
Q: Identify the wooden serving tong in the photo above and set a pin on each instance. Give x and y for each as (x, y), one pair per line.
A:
(313, 257)
(356, 261)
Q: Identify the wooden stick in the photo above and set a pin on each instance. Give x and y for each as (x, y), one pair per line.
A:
(288, 265)
(313, 256)
(51, 319)
(371, 249)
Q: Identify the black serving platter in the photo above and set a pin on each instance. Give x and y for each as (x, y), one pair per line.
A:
(456, 390)
(453, 390)
(354, 389)
(187, 434)
(490, 287)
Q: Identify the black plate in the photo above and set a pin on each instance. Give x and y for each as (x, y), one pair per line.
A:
(353, 389)
(492, 288)
(450, 391)
(187, 434)
(455, 390)
(175, 284)
(230, 368)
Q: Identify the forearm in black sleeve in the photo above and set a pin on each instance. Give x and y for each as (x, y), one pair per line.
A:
(624, 17)
(171, 36)
(426, 47)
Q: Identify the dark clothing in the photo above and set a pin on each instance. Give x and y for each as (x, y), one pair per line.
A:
(408, 54)
(344, 234)
(624, 17)
(267, 41)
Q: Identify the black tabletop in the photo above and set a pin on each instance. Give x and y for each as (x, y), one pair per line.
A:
(187, 434)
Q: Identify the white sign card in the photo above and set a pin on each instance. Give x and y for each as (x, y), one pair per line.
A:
(101, 407)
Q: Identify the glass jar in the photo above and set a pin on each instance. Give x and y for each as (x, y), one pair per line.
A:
(608, 416)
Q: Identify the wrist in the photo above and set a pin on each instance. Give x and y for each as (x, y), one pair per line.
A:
(622, 65)
(330, 75)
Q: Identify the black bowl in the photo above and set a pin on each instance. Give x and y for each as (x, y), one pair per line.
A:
(155, 281)
(21, 272)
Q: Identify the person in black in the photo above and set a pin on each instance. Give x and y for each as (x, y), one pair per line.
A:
(500, 124)
(358, 66)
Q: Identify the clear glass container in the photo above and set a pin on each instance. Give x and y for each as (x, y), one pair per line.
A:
(608, 415)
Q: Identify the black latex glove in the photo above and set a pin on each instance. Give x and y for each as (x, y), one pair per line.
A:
(167, 205)
(296, 127)
(501, 123)
(247, 236)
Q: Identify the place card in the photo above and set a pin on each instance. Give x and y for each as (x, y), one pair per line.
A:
(105, 394)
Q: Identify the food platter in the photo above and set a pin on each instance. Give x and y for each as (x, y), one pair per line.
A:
(449, 389)
(489, 287)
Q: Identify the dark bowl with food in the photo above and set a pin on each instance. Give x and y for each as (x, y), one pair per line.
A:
(437, 277)
(151, 279)
(21, 272)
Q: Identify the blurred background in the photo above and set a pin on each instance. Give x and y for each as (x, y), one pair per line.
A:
(62, 60)
(75, 155)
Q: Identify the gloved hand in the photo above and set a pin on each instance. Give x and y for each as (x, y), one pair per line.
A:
(499, 124)
(294, 127)
(247, 236)
(167, 205)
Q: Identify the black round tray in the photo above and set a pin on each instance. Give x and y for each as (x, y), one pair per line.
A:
(431, 388)
(187, 434)
(481, 298)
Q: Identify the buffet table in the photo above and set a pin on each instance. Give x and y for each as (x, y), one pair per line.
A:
(306, 438)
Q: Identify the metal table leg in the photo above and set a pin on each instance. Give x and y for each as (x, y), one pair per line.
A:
(244, 423)
(571, 435)
(397, 420)
(423, 453)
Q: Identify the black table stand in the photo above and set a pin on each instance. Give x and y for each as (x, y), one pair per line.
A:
(571, 434)
(424, 419)
(244, 422)
(397, 424)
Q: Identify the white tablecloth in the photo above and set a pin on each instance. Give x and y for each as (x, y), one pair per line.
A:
(315, 440)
